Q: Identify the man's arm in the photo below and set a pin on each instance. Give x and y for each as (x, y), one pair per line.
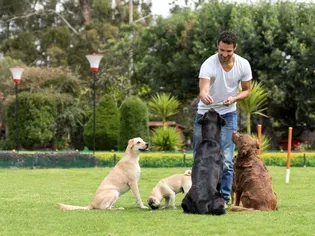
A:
(204, 85)
(241, 95)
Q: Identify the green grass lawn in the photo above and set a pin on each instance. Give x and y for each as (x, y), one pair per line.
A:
(28, 206)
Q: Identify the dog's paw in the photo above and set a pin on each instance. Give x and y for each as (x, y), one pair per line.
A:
(143, 207)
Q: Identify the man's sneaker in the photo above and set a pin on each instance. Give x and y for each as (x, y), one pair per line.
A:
(226, 206)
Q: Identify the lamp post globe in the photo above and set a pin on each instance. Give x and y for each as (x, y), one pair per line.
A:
(16, 76)
(94, 60)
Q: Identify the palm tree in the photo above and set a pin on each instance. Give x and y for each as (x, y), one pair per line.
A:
(255, 104)
(163, 105)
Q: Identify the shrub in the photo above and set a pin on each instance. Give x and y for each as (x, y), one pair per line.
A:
(165, 139)
(134, 121)
(106, 127)
(265, 142)
(7, 144)
(297, 159)
(70, 119)
(36, 119)
(149, 159)
(46, 160)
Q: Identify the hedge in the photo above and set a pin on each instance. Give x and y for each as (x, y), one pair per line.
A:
(186, 159)
(46, 160)
(147, 159)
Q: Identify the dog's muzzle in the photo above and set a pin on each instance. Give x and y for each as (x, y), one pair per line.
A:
(153, 204)
(146, 148)
(153, 207)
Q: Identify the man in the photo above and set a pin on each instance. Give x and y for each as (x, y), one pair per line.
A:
(219, 79)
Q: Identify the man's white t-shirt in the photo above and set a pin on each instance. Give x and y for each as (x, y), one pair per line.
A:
(223, 84)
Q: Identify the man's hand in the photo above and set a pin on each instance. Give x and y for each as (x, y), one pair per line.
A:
(230, 100)
(206, 98)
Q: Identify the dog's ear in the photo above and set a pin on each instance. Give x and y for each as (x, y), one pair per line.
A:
(257, 145)
(221, 121)
(130, 143)
(201, 121)
(244, 149)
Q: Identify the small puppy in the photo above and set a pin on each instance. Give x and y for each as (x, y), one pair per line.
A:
(123, 177)
(167, 188)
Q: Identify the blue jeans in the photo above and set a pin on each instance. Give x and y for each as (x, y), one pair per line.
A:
(227, 149)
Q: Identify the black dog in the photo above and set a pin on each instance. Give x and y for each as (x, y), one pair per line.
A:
(204, 196)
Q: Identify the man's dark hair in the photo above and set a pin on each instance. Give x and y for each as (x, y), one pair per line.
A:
(228, 38)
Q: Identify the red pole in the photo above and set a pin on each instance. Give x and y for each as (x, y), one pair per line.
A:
(287, 176)
(259, 138)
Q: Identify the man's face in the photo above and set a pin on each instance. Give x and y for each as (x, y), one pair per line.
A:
(226, 51)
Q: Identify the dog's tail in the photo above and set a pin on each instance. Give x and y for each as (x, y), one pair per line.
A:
(70, 207)
(187, 172)
(239, 208)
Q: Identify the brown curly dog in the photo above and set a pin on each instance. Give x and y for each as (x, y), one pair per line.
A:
(252, 180)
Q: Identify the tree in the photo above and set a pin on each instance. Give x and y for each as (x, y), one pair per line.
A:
(71, 117)
(37, 116)
(107, 125)
(164, 56)
(134, 121)
(163, 105)
(255, 103)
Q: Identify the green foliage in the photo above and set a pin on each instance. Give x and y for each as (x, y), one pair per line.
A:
(58, 36)
(46, 160)
(255, 103)
(106, 127)
(265, 142)
(70, 118)
(149, 159)
(176, 159)
(166, 139)
(103, 9)
(134, 121)
(297, 159)
(163, 105)
(20, 47)
(275, 36)
(165, 56)
(115, 79)
(7, 144)
(37, 116)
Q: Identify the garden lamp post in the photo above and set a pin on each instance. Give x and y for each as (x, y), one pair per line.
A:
(16, 75)
(94, 60)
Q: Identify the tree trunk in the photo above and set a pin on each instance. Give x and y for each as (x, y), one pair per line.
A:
(130, 11)
(248, 123)
(117, 3)
(85, 11)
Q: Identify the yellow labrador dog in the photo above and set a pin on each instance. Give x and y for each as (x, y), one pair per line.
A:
(168, 188)
(123, 177)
